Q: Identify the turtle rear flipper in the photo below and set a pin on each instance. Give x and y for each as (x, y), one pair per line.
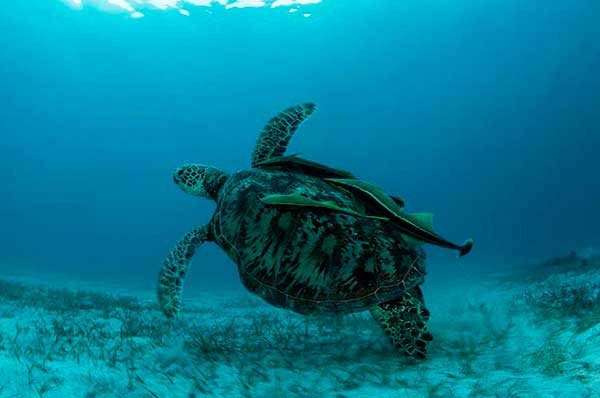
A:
(404, 320)
(174, 269)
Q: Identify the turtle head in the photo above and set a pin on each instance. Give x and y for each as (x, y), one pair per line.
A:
(200, 180)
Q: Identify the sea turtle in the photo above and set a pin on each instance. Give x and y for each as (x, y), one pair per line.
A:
(310, 238)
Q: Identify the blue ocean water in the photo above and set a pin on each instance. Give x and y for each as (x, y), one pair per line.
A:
(484, 113)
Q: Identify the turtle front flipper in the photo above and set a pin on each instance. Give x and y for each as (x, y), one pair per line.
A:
(404, 320)
(276, 135)
(174, 269)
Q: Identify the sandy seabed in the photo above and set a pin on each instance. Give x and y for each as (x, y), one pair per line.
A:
(532, 334)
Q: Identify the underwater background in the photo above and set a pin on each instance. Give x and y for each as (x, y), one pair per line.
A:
(484, 113)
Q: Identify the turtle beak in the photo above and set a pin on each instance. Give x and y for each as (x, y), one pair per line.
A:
(177, 175)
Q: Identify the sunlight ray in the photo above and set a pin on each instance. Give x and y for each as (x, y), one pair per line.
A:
(135, 8)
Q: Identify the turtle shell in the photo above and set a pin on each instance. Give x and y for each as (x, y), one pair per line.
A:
(311, 260)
